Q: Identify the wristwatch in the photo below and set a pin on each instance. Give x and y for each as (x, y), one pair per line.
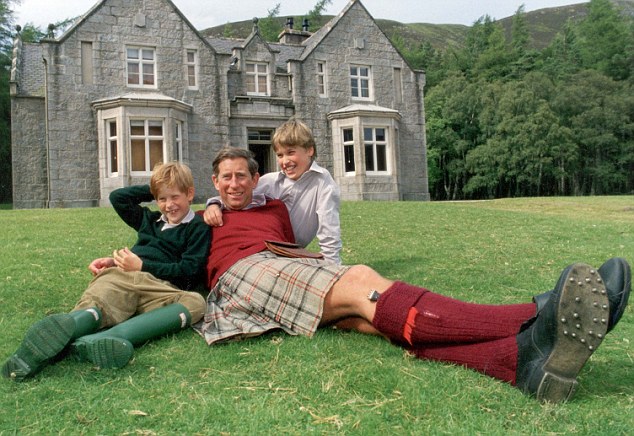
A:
(373, 295)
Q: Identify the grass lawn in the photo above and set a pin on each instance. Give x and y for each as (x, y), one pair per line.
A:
(501, 251)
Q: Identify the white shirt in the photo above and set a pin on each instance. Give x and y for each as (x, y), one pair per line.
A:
(313, 206)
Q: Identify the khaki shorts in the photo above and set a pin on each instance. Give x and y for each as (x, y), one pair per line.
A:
(120, 295)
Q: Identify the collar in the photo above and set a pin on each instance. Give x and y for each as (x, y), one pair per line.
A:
(314, 167)
(190, 216)
(257, 201)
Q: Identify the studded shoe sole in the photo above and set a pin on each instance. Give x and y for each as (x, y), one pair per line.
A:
(103, 352)
(43, 341)
(617, 276)
(579, 320)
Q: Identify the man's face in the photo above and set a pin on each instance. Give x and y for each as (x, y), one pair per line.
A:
(173, 203)
(235, 183)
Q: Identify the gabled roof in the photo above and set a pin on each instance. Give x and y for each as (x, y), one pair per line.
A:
(283, 52)
(287, 52)
(255, 34)
(101, 3)
(293, 52)
(311, 43)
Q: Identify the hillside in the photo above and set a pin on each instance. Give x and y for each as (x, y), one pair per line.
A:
(544, 24)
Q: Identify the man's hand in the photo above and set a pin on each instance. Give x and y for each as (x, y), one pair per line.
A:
(213, 215)
(98, 265)
(127, 260)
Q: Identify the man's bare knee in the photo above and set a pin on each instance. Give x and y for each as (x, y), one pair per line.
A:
(365, 278)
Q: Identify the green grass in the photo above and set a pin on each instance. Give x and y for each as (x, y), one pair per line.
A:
(500, 251)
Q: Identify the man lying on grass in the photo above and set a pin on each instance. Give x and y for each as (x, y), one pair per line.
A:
(146, 280)
(539, 347)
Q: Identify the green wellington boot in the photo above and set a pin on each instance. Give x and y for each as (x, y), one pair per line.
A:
(113, 348)
(46, 339)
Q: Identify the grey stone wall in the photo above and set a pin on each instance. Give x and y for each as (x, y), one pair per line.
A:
(28, 148)
(73, 142)
(64, 166)
(356, 39)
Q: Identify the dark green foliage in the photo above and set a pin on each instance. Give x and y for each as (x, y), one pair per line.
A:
(6, 42)
(508, 120)
(269, 26)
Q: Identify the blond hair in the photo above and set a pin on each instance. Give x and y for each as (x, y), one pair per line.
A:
(171, 175)
(296, 133)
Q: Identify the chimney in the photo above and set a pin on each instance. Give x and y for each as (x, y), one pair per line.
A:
(291, 36)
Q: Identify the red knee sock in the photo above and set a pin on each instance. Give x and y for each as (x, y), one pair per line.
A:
(411, 315)
(497, 359)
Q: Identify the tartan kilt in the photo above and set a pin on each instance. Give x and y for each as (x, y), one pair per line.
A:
(264, 292)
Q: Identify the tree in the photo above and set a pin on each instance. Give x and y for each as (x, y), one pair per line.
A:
(561, 58)
(603, 39)
(452, 109)
(315, 15)
(6, 46)
(269, 26)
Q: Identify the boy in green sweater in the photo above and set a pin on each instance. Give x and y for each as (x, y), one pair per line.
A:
(152, 280)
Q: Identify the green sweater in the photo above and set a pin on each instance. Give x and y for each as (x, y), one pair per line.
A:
(178, 255)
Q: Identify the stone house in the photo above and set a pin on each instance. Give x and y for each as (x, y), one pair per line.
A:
(132, 83)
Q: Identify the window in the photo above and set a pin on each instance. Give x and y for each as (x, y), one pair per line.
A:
(146, 145)
(141, 65)
(360, 82)
(375, 142)
(257, 78)
(321, 78)
(112, 149)
(191, 66)
(348, 151)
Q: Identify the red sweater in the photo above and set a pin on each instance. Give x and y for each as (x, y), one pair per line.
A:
(243, 233)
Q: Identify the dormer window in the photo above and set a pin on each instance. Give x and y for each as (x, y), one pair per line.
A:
(257, 78)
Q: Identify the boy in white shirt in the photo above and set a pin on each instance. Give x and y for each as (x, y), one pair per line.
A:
(308, 190)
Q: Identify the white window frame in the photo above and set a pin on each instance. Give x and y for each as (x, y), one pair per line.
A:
(360, 82)
(141, 63)
(254, 75)
(112, 141)
(348, 145)
(191, 68)
(322, 79)
(147, 138)
(371, 147)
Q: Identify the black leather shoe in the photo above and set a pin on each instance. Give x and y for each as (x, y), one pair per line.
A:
(617, 277)
(567, 330)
